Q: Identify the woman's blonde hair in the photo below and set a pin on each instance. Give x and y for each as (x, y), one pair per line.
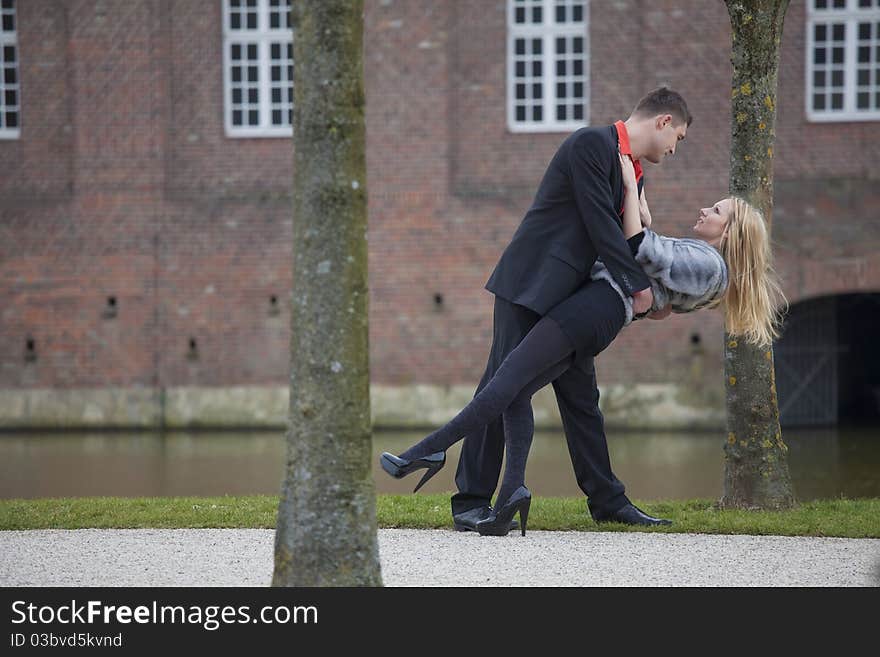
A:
(753, 299)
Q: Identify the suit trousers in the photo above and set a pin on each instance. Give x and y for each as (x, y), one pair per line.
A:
(577, 396)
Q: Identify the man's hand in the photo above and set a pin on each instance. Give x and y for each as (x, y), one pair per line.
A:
(642, 301)
(663, 313)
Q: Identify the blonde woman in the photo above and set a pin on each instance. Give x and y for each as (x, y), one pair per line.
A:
(726, 263)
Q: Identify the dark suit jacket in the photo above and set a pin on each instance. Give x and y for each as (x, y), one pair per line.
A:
(573, 220)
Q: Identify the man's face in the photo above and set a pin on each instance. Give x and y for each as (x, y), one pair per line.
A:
(666, 137)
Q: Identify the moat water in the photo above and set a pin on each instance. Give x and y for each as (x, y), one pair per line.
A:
(824, 463)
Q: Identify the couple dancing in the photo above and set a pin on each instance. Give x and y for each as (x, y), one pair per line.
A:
(582, 265)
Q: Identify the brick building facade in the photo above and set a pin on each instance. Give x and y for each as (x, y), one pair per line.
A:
(143, 250)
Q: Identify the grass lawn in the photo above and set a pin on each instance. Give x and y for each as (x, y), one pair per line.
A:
(858, 518)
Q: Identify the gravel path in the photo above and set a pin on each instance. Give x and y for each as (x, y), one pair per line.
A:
(243, 557)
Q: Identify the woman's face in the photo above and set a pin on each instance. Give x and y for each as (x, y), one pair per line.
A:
(712, 221)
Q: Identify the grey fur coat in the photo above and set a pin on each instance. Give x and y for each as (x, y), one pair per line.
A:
(684, 272)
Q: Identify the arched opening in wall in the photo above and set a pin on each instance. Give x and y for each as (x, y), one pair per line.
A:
(827, 362)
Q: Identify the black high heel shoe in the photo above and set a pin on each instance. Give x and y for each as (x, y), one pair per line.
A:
(398, 467)
(498, 523)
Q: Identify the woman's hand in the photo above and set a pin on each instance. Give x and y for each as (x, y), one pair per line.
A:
(629, 174)
(663, 313)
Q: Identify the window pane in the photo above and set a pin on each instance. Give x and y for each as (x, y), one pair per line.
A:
(537, 113)
(838, 32)
(253, 117)
(11, 119)
(819, 56)
(819, 79)
(837, 78)
(236, 117)
(578, 112)
(819, 101)
(819, 32)
(560, 112)
(8, 23)
(9, 54)
(520, 113)
(863, 77)
(862, 100)
(537, 68)
(560, 89)
(836, 101)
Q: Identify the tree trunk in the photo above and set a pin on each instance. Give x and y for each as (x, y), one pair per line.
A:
(326, 532)
(755, 464)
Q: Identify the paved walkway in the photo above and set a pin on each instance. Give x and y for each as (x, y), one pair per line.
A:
(410, 557)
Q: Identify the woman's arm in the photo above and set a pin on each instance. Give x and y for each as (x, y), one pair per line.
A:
(632, 223)
(643, 209)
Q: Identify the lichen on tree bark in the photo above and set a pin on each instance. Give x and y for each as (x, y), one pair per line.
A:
(326, 532)
(756, 471)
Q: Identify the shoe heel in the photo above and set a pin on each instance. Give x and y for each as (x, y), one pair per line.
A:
(428, 474)
(524, 514)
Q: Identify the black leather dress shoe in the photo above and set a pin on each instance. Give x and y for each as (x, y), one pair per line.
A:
(632, 515)
(466, 521)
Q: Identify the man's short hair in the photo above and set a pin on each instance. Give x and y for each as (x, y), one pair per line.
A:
(664, 100)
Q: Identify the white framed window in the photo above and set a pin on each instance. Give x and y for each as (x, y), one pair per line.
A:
(843, 60)
(10, 85)
(258, 68)
(548, 65)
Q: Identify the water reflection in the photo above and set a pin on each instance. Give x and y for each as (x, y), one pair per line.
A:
(824, 463)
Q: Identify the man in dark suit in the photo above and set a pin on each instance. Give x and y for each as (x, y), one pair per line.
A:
(575, 218)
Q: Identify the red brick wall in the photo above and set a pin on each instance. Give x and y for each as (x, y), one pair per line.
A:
(124, 184)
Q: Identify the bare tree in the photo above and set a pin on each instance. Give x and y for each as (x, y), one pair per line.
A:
(326, 533)
(755, 465)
